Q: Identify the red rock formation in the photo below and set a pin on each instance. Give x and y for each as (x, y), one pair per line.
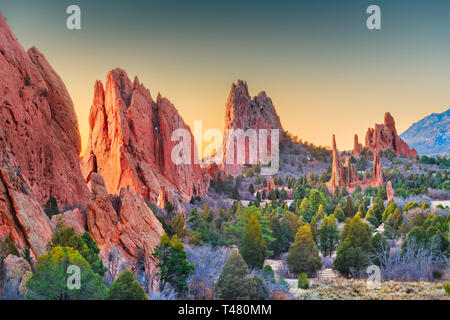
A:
(389, 191)
(344, 175)
(131, 232)
(73, 218)
(39, 123)
(14, 271)
(130, 141)
(270, 184)
(384, 137)
(377, 175)
(243, 112)
(357, 147)
(21, 217)
(163, 198)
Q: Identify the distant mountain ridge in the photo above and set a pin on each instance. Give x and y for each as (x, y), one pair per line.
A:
(431, 135)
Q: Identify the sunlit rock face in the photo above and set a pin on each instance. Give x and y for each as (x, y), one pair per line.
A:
(39, 123)
(130, 142)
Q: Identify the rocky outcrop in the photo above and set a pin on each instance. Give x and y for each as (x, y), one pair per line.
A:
(21, 216)
(73, 218)
(357, 147)
(163, 198)
(130, 142)
(39, 123)
(344, 175)
(384, 137)
(128, 235)
(270, 184)
(341, 175)
(13, 271)
(242, 112)
(389, 191)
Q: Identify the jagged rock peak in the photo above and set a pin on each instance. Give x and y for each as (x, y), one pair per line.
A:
(130, 141)
(39, 123)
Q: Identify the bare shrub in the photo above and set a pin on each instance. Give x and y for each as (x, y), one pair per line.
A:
(438, 194)
(414, 263)
(208, 266)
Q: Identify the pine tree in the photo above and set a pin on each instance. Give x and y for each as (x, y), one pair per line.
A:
(378, 209)
(251, 188)
(253, 247)
(173, 266)
(314, 229)
(349, 208)
(321, 213)
(370, 216)
(339, 214)
(303, 255)
(352, 253)
(305, 210)
(329, 236)
(126, 288)
(234, 283)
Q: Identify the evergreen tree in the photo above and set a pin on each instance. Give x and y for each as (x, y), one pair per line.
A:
(51, 207)
(352, 252)
(253, 247)
(390, 209)
(339, 214)
(329, 235)
(173, 266)
(305, 210)
(281, 234)
(303, 255)
(234, 283)
(67, 237)
(349, 213)
(378, 209)
(314, 229)
(370, 216)
(321, 213)
(126, 288)
(251, 188)
(8, 247)
(50, 280)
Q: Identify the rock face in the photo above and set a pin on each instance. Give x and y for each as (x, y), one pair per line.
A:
(39, 123)
(130, 142)
(73, 218)
(128, 233)
(243, 112)
(344, 175)
(384, 137)
(21, 216)
(13, 271)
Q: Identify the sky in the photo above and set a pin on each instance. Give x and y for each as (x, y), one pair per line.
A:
(325, 71)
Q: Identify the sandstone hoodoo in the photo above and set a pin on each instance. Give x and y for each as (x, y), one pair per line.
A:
(357, 148)
(39, 123)
(130, 142)
(243, 113)
(344, 175)
(384, 137)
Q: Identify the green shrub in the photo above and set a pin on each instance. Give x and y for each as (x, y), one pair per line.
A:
(126, 288)
(447, 288)
(8, 247)
(303, 282)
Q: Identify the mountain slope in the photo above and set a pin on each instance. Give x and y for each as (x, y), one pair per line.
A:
(431, 135)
